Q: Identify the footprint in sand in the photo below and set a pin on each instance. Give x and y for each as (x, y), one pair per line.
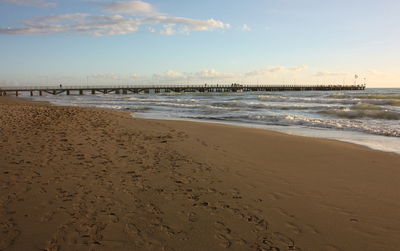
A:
(8, 237)
(225, 242)
(192, 217)
(222, 228)
(113, 218)
(293, 227)
(283, 241)
(47, 217)
(285, 213)
(311, 229)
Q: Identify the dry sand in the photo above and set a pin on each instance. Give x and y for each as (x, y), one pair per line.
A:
(91, 179)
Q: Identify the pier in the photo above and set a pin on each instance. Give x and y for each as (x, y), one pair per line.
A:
(136, 89)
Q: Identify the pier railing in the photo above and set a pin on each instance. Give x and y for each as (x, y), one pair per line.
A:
(135, 89)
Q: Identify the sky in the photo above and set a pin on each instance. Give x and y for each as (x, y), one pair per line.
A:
(89, 42)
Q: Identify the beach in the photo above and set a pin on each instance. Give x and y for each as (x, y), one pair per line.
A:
(368, 117)
(76, 178)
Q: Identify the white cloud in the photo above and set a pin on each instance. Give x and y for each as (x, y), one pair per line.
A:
(76, 23)
(169, 75)
(297, 68)
(138, 8)
(37, 3)
(276, 69)
(245, 28)
(329, 74)
(135, 76)
(151, 29)
(92, 25)
(173, 74)
(206, 74)
(78, 18)
(105, 76)
(168, 29)
(212, 74)
(187, 24)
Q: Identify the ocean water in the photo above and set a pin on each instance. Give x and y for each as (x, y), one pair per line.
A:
(370, 117)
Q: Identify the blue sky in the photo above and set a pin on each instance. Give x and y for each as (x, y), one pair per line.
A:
(218, 41)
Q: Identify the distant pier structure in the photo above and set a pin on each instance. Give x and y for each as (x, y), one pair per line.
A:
(136, 89)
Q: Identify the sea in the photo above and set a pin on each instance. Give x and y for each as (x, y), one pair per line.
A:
(370, 117)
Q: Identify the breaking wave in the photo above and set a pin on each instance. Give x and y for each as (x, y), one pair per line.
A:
(337, 98)
(364, 106)
(367, 96)
(363, 110)
(379, 96)
(338, 95)
(287, 120)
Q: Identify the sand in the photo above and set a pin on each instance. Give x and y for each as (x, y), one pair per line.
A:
(91, 179)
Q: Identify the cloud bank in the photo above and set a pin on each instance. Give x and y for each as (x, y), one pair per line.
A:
(202, 75)
(37, 3)
(137, 8)
(329, 74)
(276, 69)
(127, 17)
(105, 76)
(267, 75)
(213, 75)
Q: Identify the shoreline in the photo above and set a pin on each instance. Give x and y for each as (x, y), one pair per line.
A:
(372, 141)
(208, 122)
(238, 124)
(301, 131)
(84, 178)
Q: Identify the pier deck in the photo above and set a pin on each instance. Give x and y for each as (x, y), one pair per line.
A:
(136, 89)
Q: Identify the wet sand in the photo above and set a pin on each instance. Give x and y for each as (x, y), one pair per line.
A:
(92, 179)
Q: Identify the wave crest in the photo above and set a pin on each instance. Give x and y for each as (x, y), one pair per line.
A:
(363, 110)
(364, 106)
(379, 96)
(338, 95)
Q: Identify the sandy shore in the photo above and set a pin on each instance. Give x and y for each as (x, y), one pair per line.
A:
(91, 179)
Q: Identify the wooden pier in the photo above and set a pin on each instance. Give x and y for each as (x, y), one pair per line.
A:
(135, 89)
